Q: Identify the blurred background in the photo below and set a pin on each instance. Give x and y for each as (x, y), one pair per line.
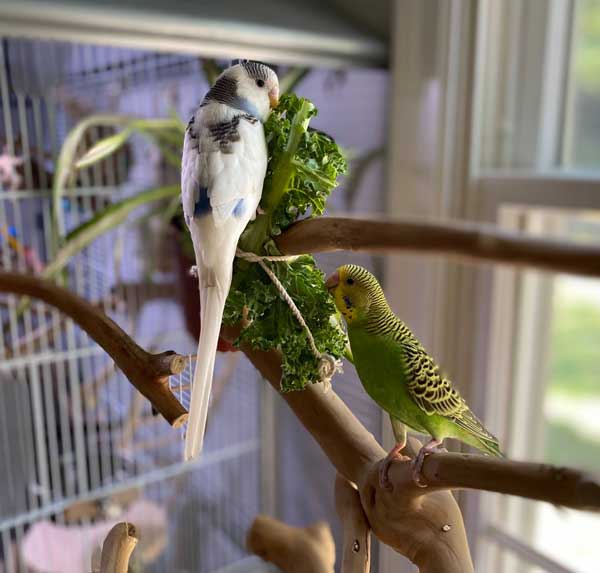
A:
(487, 110)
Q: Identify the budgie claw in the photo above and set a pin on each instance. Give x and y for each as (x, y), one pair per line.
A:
(431, 447)
(384, 480)
(194, 271)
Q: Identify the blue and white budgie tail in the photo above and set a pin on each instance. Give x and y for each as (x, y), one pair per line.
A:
(223, 168)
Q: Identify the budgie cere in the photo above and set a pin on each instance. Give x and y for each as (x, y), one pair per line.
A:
(223, 167)
(399, 375)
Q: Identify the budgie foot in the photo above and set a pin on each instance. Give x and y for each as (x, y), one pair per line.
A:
(384, 480)
(431, 447)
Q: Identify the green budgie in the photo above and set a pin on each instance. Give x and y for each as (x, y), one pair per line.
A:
(399, 375)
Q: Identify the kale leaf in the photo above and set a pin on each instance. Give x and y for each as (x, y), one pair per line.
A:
(303, 168)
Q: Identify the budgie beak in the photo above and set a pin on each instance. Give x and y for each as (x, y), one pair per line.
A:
(333, 281)
(274, 97)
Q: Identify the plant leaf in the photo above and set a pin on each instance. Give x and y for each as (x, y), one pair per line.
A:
(104, 148)
(304, 166)
(170, 128)
(289, 81)
(358, 167)
(102, 222)
(65, 164)
(211, 70)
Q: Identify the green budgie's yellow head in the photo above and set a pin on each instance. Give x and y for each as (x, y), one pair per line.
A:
(355, 290)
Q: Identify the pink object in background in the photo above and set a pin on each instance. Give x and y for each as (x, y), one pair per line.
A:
(51, 548)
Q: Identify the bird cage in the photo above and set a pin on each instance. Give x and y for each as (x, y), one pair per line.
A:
(81, 447)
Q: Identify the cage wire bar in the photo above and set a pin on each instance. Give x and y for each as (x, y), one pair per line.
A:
(76, 439)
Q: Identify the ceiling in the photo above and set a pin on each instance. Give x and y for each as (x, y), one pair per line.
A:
(330, 33)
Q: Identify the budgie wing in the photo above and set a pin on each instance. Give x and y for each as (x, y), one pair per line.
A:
(435, 394)
(227, 162)
(191, 170)
(432, 392)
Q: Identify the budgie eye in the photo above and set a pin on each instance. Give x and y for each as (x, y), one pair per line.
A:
(349, 281)
(260, 83)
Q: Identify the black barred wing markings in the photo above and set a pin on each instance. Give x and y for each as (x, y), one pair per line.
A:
(193, 133)
(226, 132)
(430, 390)
(435, 394)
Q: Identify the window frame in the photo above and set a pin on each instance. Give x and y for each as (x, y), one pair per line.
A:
(427, 175)
(515, 302)
(439, 299)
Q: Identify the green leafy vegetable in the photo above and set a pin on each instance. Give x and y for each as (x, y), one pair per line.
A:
(303, 168)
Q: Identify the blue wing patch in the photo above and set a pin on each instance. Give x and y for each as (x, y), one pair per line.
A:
(202, 206)
(239, 209)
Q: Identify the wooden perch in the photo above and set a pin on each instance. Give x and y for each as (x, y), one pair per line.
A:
(118, 547)
(149, 373)
(413, 526)
(544, 482)
(356, 552)
(292, 549)
(465, 240)
(424, 524)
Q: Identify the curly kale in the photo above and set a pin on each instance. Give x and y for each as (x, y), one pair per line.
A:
(303, 168)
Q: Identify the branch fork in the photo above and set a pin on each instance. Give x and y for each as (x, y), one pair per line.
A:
(425, 525)
(148, 372)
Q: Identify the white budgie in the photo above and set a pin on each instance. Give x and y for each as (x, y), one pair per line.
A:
(223, 168)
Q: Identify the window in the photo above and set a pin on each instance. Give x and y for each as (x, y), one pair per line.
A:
(549, 397)
(582, 126)
(536, 168)
(539, 71)
(493, 120)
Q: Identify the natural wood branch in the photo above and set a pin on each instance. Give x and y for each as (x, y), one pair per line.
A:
(425, 525)
(341, 436)
(412, 526)
(465, 240)
(293, 549)
(149, 373)
(356, 553)
(118, 547)
(544, 482)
